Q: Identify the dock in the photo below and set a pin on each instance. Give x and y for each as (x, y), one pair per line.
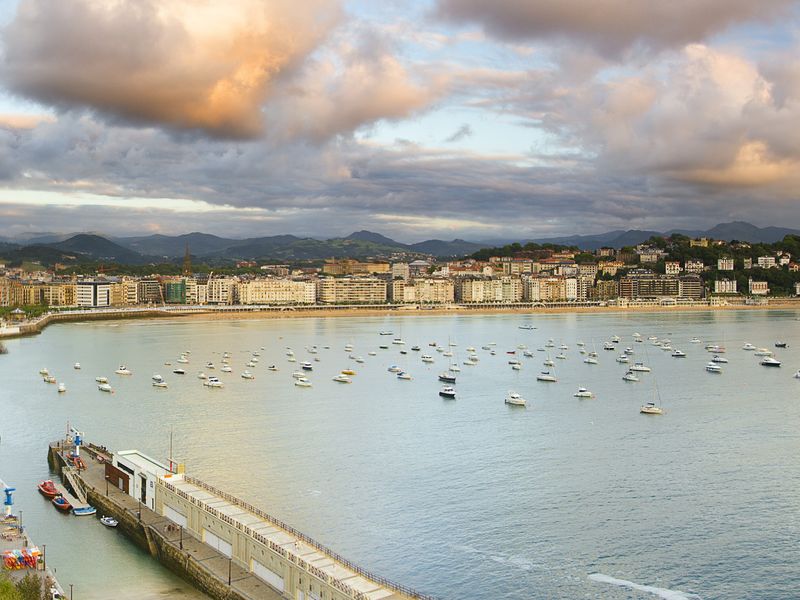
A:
(75, 502)
(224, 546)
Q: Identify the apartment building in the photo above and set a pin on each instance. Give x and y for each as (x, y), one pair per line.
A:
(93, 294)
(725, 286)
(277, 291)
(758, 288)
(725, 264)
(351, 290)
(423, 290)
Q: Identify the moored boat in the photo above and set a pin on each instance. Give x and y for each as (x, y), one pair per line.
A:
(84, 511)
(448, 392)
(109, 521)
(651, 409)
(514, 399)
(47, 489)
(61, 503)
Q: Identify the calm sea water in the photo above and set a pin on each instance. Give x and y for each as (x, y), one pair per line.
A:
(462, 499)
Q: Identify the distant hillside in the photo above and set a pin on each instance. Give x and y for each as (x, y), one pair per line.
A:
(94, 247)
(446, 249)
(175, 246)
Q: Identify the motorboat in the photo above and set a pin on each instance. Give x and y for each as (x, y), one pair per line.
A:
(49, 379)
(77, 366)
(561, 356)
(628, 351)
(640, 367)
(447, 377)
(256, 353)
(546, 376)
(247, 375)
(549, 363)
(226, 369)
(47, 489)
(695, 340)
(448, 354)
(440, 349)
(448, 392)
(472, 350)
(373, 353)
(272, 368)
(307, 366)
(748, 346)
(62, 387)
(473, 358)
(678, 354)
(160, 384)
(342, 378)
(210, 365)
(179, 371)
(302, 382)
(386, 333)
(713, 368)
(202, 375)
(394, 369)
(415, 348)
(780, 344)
(213, 382)
(516, 367)
(298, 375)
(44, 371)
(104, 387)
(290, 352)
(360, 359)
(183, 360)
(398, 341)
(347, 372)
(527, 354)
(527, 327)
(769, 361)
(403, 375)
(84, 511)
(514, 361)
(427, 358)
(763, 352)
(349, 347)
(609, 346)
(583, 393)
(797, 375)
(123, 370)
(514, 399)
(109, 521)
(61, 503)
(251, 364)
(590, 360)
(383, 347)
(454, 368)
(630, 376)
(623, 358)
(290, 359)
(651, 409)
(615, 339)
(580, 343)
(253, 359)
(716, 349)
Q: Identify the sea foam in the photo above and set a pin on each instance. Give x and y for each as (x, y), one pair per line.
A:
(660, 592)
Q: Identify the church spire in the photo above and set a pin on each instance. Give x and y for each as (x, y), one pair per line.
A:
(187, 262)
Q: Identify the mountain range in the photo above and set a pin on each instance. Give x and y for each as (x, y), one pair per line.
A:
(71, 248)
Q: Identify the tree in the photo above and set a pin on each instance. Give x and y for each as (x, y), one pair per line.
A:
(30, 587)
(7, 589)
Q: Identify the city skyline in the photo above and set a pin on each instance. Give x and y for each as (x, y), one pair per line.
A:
(419, 119)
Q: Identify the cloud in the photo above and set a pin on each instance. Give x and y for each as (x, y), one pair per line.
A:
(609, 26)
(462, 132)
(204, 65)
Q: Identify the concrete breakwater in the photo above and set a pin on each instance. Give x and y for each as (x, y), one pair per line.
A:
(222, 545)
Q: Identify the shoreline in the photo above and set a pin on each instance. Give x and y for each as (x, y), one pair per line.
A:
(247, 313)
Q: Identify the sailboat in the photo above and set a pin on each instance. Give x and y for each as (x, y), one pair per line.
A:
(653, 408)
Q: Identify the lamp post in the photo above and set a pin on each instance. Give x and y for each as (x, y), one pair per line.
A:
(21, 529)
(230, 562)
(44, 557)
(181, 542)
(70, 591)
(106, 486)
(140, 511)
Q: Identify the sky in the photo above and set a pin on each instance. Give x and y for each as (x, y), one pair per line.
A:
(418, 119)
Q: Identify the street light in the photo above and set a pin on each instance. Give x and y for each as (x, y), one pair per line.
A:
(44, 557)
(70, 591)
(230, 562)
(181, 542)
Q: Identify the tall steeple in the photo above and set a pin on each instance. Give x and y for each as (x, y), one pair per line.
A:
(187, 262)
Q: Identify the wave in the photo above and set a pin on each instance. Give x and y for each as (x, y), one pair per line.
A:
(665, 593)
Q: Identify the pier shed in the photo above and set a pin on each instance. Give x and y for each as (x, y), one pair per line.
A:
(142, 472)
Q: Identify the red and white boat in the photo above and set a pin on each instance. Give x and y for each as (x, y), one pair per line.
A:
(61, 504)
(47, 489)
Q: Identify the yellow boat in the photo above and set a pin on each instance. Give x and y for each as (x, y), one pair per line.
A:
(348, 372)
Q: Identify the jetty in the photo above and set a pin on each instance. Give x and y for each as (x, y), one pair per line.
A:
(221, 544)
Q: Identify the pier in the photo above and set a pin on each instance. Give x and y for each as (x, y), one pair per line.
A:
(225, 546)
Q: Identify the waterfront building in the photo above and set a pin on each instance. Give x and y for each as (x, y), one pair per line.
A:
(758, 288)
(604, 289)
(690, 286)
(349, 266)
(93, 294)
(725, 286)
(175, 291)
(672, 267)
(400, 270)
(643, 283)
(725, 264)
(149, 291)
(766, 262)
(547, 289)
(277, 291)
(747, 263)
(351, 290)
(135, 474)
(221, 290)
(423, 290)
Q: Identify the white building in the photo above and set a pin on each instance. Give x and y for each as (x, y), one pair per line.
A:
(725, 286)
(277, 291)
(725, 264)
(694, 266)
(423, 290)
(142, 473)
(672, 267)
(356, 290)
(221, 290)
(92, 294)
(766, 262)
(400, 270)
(758, 288)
